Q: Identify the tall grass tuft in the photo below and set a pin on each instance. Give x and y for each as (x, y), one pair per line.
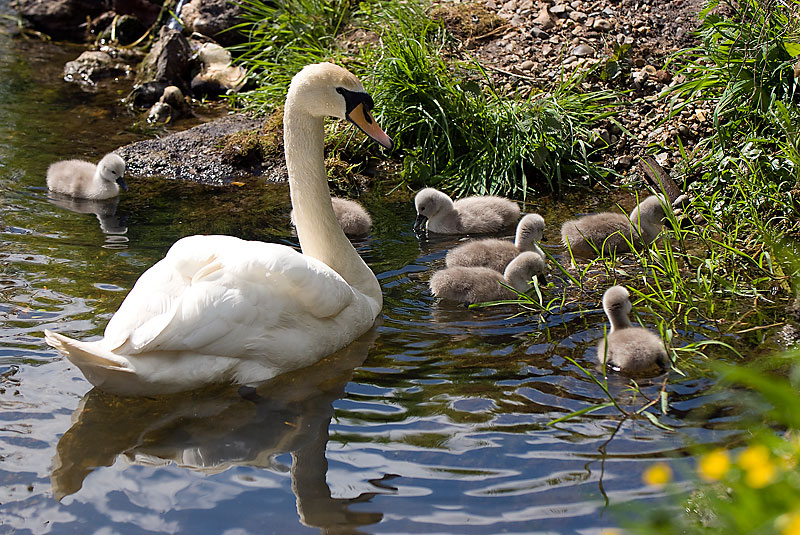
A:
(457, 132)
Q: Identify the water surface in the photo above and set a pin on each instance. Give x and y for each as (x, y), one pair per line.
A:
(436, 421)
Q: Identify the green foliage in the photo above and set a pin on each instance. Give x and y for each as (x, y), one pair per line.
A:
(453, 129)
(745, 67)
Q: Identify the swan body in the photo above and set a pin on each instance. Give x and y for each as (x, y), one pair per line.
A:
(627, 348)
(480, 284)
(220, 309)
(497, 254)
(611, 232)
(86, 180)
(437, 212)
(352, 217)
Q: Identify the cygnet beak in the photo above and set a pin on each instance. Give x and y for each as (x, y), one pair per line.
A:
(122, 184)
(419, 223)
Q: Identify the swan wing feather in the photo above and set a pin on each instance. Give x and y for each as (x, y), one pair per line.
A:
(209, 292)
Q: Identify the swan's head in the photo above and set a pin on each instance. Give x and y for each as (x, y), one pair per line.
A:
(429, 202)
(617, 306)
(520, 272)
(530, 230)
(326, 89)
(112, 169)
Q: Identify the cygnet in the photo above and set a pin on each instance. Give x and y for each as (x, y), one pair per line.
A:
(611, 232)
(352, 217)
(480, 284)
(86, 180)
(497, 254)
(437, 212)
(629, 349)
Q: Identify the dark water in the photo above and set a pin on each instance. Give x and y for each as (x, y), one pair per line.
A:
(434, 422)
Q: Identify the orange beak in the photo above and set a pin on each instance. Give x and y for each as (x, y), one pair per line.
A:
(367, 124)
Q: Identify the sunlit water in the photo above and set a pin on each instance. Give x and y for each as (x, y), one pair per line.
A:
(434, 422)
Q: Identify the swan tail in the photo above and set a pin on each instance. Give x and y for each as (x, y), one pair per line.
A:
(87, 355)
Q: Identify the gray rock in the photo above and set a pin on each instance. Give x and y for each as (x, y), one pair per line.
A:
(167, 61)
(193, 154)
(91, 66)
(603, 25)
(212, 18)
(578, 16)
(60, 19)
(544, 20)
(583, 51)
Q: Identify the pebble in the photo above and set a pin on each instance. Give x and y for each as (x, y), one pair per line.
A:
(583, 51)
(527, 65)
(603, 25)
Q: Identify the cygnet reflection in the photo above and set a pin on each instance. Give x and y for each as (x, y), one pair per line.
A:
(104, 209)
(212, 430)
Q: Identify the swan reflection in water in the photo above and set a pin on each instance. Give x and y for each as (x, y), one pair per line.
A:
(212, 430)
(105, 210)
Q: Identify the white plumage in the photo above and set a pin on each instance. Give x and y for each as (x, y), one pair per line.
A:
(218, 308)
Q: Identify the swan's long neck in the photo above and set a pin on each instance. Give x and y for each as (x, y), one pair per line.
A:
(318, 230)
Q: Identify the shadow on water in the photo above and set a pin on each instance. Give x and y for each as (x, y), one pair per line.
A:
(210, 431)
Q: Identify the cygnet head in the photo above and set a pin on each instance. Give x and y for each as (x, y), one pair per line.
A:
(112, 169)
(522, 269)
(429, 202)
(530, 231)
(617, 306)
(650, 211)
(326, 89)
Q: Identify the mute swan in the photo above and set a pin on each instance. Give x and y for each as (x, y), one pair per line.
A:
(437, 212)
(629, 349)
(352, 217)
(496, 254)
(612, 231)
(221, 309)
(480, 284)
(86, 180)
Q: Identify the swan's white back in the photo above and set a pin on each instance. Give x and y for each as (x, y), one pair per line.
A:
(220, 309)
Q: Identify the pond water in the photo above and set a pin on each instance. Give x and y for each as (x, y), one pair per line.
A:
(434, 422)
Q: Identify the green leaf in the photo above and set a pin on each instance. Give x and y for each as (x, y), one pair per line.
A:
(792, 48)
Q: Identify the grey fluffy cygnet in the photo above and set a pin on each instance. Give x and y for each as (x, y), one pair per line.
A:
(612, 232)
(480, 284)
(86, 180)
(352, 217)
(627, 348)
(437, 212)
(497, 254)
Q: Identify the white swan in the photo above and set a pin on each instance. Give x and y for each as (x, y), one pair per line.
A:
(220, 309)
(627, 348)
(86, 180)
(609, 232)
(437, 212)
(480, 284)
(497, 254)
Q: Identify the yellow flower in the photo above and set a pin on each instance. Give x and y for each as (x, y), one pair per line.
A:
(713, 465)
(754, 456)
(657, 475)
(789, 524)
(760, 476)
(611, 531)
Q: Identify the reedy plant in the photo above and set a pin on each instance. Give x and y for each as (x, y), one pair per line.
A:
(458, 133)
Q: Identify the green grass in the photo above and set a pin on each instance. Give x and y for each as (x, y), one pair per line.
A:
(451, 127)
